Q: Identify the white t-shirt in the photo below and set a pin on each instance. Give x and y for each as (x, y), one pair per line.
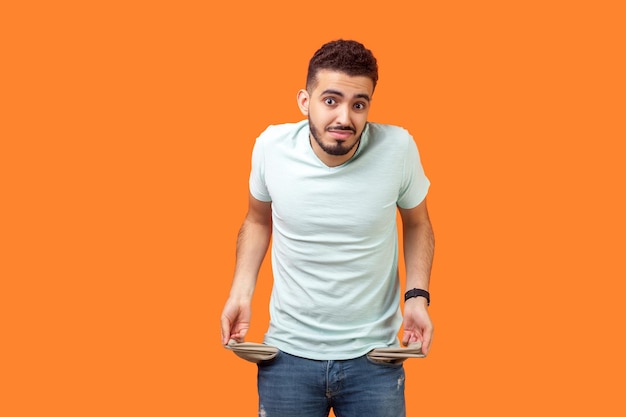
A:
(336, 291)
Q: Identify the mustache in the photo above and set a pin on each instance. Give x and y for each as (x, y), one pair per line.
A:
(350, 128)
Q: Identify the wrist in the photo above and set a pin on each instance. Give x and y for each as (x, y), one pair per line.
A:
(419, 295)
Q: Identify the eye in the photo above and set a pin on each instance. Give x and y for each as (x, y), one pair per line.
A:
(359, 106)
(329, 100)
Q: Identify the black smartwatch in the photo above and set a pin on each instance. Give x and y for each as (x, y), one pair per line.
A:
(416, 292)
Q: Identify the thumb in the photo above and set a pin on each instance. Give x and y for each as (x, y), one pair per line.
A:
(426, 342)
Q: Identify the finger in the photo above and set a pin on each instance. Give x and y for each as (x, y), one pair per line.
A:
(240, 336)
(410, 337)
(405, 338)
(225, 329)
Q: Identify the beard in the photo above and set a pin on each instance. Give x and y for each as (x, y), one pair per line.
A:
(336, 149)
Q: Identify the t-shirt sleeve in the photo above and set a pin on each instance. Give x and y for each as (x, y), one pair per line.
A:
(258, 186)
(415, 184)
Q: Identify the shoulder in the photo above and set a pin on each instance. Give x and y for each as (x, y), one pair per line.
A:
(281, 132)
(381, 131)
(381, 136)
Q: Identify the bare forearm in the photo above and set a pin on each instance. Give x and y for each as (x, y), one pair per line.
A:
(252, 243)
(419, 249)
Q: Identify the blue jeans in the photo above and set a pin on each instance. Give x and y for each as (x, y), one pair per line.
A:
(290, 386)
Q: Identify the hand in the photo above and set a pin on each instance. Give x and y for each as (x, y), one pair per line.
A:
(417, 324)
(235, 320)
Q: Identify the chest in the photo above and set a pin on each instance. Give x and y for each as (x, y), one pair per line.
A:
(355, 200)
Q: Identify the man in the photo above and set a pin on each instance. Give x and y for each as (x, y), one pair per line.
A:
(326, 190)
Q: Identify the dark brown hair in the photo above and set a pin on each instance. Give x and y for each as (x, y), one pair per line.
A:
(349, 57)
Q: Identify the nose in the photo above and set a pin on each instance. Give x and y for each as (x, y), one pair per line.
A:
(343, 115)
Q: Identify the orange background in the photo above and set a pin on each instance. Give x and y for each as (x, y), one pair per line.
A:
(126, 134)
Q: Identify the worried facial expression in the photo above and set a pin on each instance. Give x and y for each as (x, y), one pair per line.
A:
(337, 109)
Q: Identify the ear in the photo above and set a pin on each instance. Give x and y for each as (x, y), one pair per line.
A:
(303, 102)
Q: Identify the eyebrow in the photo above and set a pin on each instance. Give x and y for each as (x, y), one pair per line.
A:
(340, 94)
